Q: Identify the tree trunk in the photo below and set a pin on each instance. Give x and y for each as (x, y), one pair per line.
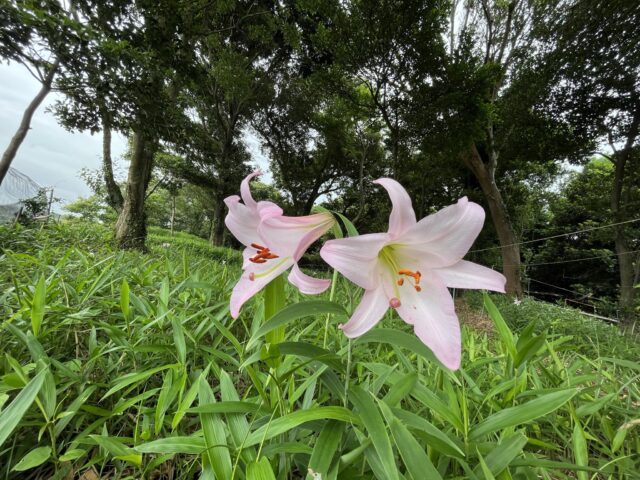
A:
(173, 211)
(131, 227)
(361, 186)
(623, 251)
(501, 221)
(17, 139)
(212, 230)
(217, 233)
(627, 276)
(114, 195)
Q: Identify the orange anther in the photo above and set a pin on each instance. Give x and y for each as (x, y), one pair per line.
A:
(263, 254)
(410, 273)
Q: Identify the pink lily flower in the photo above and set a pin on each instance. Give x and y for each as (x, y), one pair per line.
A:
(274, 243)
(410, 267)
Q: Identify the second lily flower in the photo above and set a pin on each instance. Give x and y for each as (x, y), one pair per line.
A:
(273, 243)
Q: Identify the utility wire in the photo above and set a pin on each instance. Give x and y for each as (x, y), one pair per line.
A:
(556, 236)
(613, 254)
(581, 294)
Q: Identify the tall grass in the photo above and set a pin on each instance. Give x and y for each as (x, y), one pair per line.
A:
(125, 365)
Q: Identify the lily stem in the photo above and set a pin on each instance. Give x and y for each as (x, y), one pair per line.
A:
(332, 292)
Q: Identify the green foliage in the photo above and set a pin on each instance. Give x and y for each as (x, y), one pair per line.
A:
(583, 204)
(138, 368)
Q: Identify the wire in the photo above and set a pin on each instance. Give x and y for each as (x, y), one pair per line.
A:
(556, 236)
(613, 254)
(582, 294)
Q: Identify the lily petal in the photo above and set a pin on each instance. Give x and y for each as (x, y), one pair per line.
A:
(262, 274)
(465, 274)
(442, 239)
(307, 284)
(402, 215)
(241, 221)
(268, 210)
(367, 314)
(291, 236)
(432, 314)
(245, 191)
(356, 257)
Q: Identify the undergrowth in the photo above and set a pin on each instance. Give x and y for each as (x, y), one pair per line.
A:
(124, 365)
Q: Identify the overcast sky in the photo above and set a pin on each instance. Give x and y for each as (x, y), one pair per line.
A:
(51, 155)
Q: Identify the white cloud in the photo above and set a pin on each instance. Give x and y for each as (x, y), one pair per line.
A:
(53, 156)
(50, 155)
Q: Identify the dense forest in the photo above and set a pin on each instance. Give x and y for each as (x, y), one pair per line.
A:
(530, 108)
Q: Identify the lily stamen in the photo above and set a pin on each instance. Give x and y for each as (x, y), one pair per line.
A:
(263, 254)
(410, 273)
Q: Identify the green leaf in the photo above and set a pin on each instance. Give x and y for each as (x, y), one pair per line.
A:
(37, 305)
(297, 418)
(326, 447)
(214, 434)
(10, 417)
(274, 449)
(237, 422)
(580, 451)
(260, 470)
(502, 455)
(296, 311)
(124, 298)
(401, 389)
(434, 436)
(592, 407)
(48, 395)
(413, 454)
(187, 445)
(178, 340)
(274, 301)
(131, 378)
(372, 420)
(226, 407)
(529, 349)
(117, 449)
(351, 229)
(524, 413)
(402, 340)
(187, 400)
(72, 409)
(486, 472)
(72, 454)
(163, 401)
(33, 459)
(501, 326)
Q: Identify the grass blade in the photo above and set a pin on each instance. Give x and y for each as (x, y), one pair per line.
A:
(372, 420)
(11, 416)
(524, 413)
(37, 305)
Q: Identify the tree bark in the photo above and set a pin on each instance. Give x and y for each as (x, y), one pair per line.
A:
(17, 139)
(623, 251)
(131, 227)
(173, 211)
(217, 233)
(114, 194)
(501, 221)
